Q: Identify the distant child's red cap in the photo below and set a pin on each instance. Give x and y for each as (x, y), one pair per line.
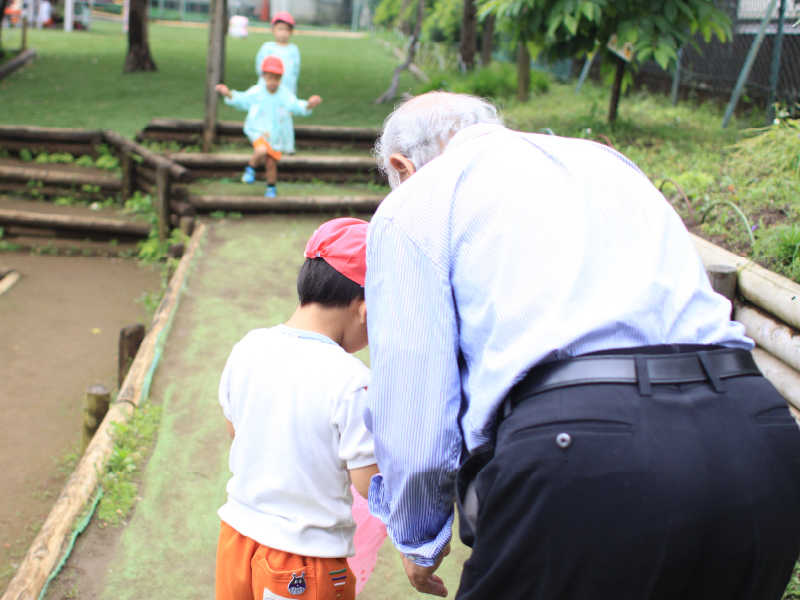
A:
(343, 245)
(283, 17)
(272, 64)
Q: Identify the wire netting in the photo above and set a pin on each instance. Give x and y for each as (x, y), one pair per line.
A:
(716, 67)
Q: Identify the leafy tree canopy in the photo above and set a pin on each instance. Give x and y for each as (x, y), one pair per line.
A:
(568, 28)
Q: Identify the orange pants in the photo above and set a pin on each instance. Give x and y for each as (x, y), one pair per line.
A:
(270, 150)
(246, 570)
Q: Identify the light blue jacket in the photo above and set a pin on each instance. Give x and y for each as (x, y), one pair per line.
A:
(264, 113)
(290, 55)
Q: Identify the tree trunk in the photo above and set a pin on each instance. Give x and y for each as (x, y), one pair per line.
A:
(469, 34)
(2, 12)
(523, 73)
(139, 58)
(615, 91)
(402, 19)
(488, 41)
(389, 94)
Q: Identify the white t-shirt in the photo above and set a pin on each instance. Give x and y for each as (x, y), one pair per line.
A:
(296, 401)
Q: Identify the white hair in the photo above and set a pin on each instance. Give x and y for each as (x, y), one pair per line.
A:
(421, 127)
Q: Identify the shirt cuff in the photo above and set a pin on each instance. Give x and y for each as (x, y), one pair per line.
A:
(424, 553)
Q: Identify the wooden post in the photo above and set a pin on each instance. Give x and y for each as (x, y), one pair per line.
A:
(162, 202)
(723, 280)
(24, 45)
(176, 251)
(128, 175)
(98, 398)
(216, 52)
(187, 226)
(130, 338)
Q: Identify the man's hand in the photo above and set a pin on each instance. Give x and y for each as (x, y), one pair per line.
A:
(423, 579)
(314, 101)
(223, 89)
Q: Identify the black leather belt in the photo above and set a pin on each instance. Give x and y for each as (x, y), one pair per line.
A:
(642, 369)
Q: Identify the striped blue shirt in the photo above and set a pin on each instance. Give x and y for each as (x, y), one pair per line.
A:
(507, 251)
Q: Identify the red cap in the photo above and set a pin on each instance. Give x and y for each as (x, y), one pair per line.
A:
(343, 245)
(272, 64)
(283, 17)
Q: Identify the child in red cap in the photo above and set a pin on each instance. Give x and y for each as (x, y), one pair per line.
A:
(289, 53)
(293, 399)
(265, 108)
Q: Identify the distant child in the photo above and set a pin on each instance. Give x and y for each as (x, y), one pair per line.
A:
(282, 29)
(293, 399)
(265, 108)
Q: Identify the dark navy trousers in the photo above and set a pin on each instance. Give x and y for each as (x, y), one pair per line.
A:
(596, 492)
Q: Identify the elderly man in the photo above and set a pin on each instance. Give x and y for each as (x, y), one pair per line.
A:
(546, 346)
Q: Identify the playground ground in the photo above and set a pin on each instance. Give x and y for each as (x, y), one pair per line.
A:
(245, 279)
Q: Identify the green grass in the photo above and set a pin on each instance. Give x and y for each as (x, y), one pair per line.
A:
(133, 442)
(78, 79)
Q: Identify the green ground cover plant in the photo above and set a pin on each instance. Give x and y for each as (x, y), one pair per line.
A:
(133, 443)
(78, 79)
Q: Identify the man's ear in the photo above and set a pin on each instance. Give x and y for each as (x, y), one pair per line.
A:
(402, 165)
(362, 312)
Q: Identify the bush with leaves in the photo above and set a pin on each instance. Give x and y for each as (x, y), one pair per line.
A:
(498, 81)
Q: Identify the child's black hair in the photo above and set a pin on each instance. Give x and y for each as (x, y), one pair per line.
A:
(285, 23)
(320, 283)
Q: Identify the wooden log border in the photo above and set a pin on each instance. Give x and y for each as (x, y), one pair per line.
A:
(45, 551)
(7, 280)
(112, 227)
(23, 58)
(286, 204)
(777, 351)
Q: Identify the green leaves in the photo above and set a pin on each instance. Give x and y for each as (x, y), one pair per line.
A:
(657, 28)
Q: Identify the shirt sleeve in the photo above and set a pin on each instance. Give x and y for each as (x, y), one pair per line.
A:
(243, 100)
(295, 106)
(225, 389)
(415, 392)
(297, 63)
(356, 447)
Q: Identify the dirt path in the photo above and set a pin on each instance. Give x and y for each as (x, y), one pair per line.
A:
(244, 279)
(59, 330)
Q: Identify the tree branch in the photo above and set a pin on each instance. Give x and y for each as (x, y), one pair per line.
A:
(389, 95)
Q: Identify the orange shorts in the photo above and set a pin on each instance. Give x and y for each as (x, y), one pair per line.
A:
(270, 151)
(246, 570)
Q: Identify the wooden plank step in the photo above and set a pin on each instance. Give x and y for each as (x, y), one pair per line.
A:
(288, 204)
(22, 218)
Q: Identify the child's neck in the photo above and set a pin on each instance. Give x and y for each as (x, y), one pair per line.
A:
(286, 43)
(330, 322)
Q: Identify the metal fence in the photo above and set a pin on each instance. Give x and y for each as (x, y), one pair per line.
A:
(716, 67)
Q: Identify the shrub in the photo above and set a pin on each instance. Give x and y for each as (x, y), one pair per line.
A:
(497, 81)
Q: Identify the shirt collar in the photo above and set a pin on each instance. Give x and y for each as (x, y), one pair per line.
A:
(473, 131)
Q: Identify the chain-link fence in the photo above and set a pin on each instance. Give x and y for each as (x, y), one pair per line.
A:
(715, 69)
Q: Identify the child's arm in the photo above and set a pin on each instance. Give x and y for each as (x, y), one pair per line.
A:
(232, 431)
(239, 100)
(361, 477)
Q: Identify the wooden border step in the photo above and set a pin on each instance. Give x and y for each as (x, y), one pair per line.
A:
(286, 204)
(73, 223)
(190, 131)
(337, 169)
